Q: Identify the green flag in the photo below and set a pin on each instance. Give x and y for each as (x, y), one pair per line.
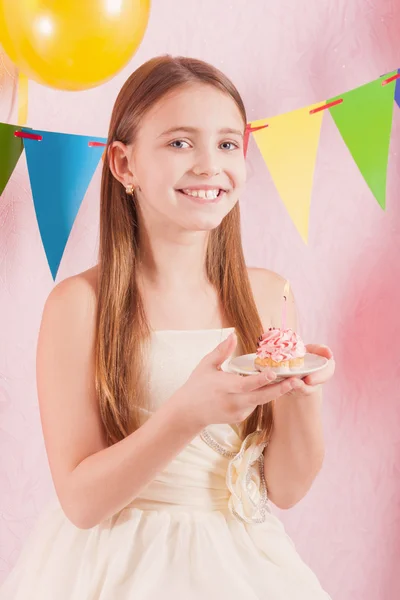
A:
(364, 120)
(10, 151)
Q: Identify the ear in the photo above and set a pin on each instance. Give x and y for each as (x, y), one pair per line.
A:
(119, 159)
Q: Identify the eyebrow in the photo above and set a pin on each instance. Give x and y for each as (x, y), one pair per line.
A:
(225, 130)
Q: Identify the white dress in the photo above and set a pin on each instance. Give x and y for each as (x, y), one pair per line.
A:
(201, 530)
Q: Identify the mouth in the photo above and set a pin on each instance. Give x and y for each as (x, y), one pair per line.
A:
(209, 196)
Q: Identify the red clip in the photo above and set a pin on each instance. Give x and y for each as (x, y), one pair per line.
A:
(250, 129)
(28, 136)
(386, 81)
(319, 108)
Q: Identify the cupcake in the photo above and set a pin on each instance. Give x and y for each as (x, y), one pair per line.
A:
(280, 348)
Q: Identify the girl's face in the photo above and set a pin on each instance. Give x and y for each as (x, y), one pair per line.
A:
(187, 161)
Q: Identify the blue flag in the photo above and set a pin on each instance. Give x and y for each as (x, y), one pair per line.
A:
(60, 168)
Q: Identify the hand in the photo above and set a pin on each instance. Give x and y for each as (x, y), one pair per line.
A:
(213, 396)
(311, 383)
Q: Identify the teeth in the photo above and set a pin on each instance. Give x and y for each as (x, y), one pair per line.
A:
(206, 194)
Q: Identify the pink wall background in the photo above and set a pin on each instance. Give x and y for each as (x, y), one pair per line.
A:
(282, 55)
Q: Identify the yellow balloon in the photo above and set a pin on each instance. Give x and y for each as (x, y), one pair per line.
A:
(73, 44)
(5, 38)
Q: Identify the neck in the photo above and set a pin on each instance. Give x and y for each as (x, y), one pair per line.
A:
(169, 259)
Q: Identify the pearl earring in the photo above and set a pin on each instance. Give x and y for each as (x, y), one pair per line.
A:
(129, 189)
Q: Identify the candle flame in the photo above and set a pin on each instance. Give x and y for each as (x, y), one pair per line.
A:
(284, 307)
(286, 289)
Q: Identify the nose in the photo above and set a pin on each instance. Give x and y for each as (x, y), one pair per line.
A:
(206, 164)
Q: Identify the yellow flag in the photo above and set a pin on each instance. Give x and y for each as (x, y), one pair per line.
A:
(289, 147)
(22, 99)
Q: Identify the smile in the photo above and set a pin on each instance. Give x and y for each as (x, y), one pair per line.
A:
(208, 195)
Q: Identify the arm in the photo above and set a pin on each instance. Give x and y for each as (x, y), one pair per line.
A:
(92, 481)
(295, 453)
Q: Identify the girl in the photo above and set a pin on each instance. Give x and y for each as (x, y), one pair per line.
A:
(163, 463)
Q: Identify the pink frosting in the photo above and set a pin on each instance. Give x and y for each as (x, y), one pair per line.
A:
(280, 345)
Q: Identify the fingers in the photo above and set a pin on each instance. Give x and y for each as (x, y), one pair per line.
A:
(274, 391)
(242, 385)
(324, 351)
(300, 387)
(321, 376)
(223, 351)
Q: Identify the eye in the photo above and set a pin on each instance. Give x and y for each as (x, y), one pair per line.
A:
(235, 146)
(181, 142)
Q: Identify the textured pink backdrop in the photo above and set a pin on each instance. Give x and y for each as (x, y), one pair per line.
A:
(282, 55)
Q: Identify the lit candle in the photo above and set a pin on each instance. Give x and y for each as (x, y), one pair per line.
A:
(285, 298)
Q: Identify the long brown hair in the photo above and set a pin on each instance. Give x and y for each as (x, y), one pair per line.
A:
(122, 328)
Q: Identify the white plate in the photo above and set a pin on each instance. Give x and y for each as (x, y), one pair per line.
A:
(244, 365)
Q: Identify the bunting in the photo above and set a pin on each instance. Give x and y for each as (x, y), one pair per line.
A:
(364, 120)
(62, 165)
(289, 148)
(10, 151)
(60, 168)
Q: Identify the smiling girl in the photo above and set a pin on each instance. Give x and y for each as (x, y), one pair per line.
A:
(165, 464)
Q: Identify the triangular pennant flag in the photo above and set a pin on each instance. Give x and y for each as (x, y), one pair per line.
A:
(10, 151)
(289, 147)
(364, 120)
(60, 168)
(397, 90)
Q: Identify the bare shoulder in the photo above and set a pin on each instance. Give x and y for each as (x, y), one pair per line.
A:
(268, 291)
(81, 287)
(75, 298)
(70, 309)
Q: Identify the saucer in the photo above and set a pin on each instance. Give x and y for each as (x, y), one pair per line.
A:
(244, 365)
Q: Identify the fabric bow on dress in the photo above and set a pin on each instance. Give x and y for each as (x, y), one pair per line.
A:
(245, 478)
